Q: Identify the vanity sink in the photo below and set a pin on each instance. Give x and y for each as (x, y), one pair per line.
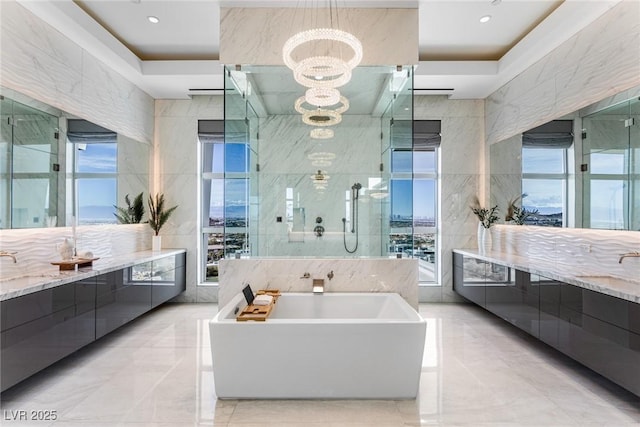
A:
(609, 280)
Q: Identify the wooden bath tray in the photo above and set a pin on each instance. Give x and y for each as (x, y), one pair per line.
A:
(259, 313)
(71, 264)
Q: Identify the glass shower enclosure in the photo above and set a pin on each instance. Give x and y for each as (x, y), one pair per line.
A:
(610, 167)
(295, 194)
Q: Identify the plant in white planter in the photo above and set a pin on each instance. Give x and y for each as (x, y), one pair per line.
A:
(518, 214)
(158, 216)
(487, 218)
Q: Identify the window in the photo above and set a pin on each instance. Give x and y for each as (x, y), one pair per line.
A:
(414, 196)
(95, 158)
(225, 195)
(544, 172)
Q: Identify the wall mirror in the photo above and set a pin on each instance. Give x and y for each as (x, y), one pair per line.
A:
(61, 170)
(582, 170)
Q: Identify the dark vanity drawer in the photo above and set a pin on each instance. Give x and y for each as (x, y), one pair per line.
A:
(23, 309)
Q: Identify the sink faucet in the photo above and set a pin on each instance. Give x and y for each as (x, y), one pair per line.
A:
(628, 254)
(9, 254)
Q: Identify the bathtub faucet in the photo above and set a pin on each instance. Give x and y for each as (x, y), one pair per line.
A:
(318, 286)
(306, 275)
(330, 275)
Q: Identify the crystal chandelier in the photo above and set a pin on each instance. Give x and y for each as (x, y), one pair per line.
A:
(334, 71)
(322, 71)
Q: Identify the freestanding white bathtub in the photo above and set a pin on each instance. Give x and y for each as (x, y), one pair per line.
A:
(329, 346)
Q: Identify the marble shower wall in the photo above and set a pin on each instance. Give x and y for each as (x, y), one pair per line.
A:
(599, 61)
(177, 169)
(349, 275)
(284, 163)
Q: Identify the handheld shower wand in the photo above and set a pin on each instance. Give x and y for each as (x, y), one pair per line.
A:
(355, 191)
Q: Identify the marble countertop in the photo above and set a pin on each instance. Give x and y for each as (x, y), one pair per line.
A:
(621, 287)
(51, 277)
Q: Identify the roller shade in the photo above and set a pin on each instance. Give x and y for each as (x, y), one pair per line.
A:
(211, 130)
(426, 134)
(555, 134)
(83, 132)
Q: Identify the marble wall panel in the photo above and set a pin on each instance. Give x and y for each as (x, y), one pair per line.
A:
(599, 61)
(41, 63)
(36, 247)
(256, 35)
(585, 251)
(177, 173)
(114, 102)
(349, 275)
(461, 174)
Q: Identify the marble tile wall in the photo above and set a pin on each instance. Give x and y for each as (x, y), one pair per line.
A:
(39, 62)
(349, 275)
(176, 171)
(461, 171)
(247, 36)
(592, 252)
(36, 247)
(599, 61)
(506, 173)
(134, 168)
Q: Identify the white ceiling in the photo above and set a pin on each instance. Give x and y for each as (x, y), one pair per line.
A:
(459, 56)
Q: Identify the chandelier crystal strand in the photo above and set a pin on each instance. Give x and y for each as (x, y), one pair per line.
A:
(321, 133)
(321, 96)
(333, 72)
(321, 117)
(322, 34)
(341, 109)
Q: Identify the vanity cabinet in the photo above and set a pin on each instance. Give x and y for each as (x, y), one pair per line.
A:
(119, 300)
(504, 291)
(600, 331)
(469, 278)
(42, 327)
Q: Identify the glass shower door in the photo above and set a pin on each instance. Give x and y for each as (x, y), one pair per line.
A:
(610, 169)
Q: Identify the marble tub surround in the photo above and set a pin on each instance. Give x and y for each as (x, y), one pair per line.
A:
(349, 275)
(50, 277)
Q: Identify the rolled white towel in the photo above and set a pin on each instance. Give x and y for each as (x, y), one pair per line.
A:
(85, 254)
(262, 300)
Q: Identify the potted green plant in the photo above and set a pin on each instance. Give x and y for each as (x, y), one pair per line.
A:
(487, 217)
(158, 216)
(133, 213)
(518, 214)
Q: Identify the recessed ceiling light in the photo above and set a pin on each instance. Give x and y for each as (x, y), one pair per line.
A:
(153, 19)
(485, 18)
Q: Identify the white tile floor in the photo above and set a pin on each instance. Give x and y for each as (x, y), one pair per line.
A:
(477, 371)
